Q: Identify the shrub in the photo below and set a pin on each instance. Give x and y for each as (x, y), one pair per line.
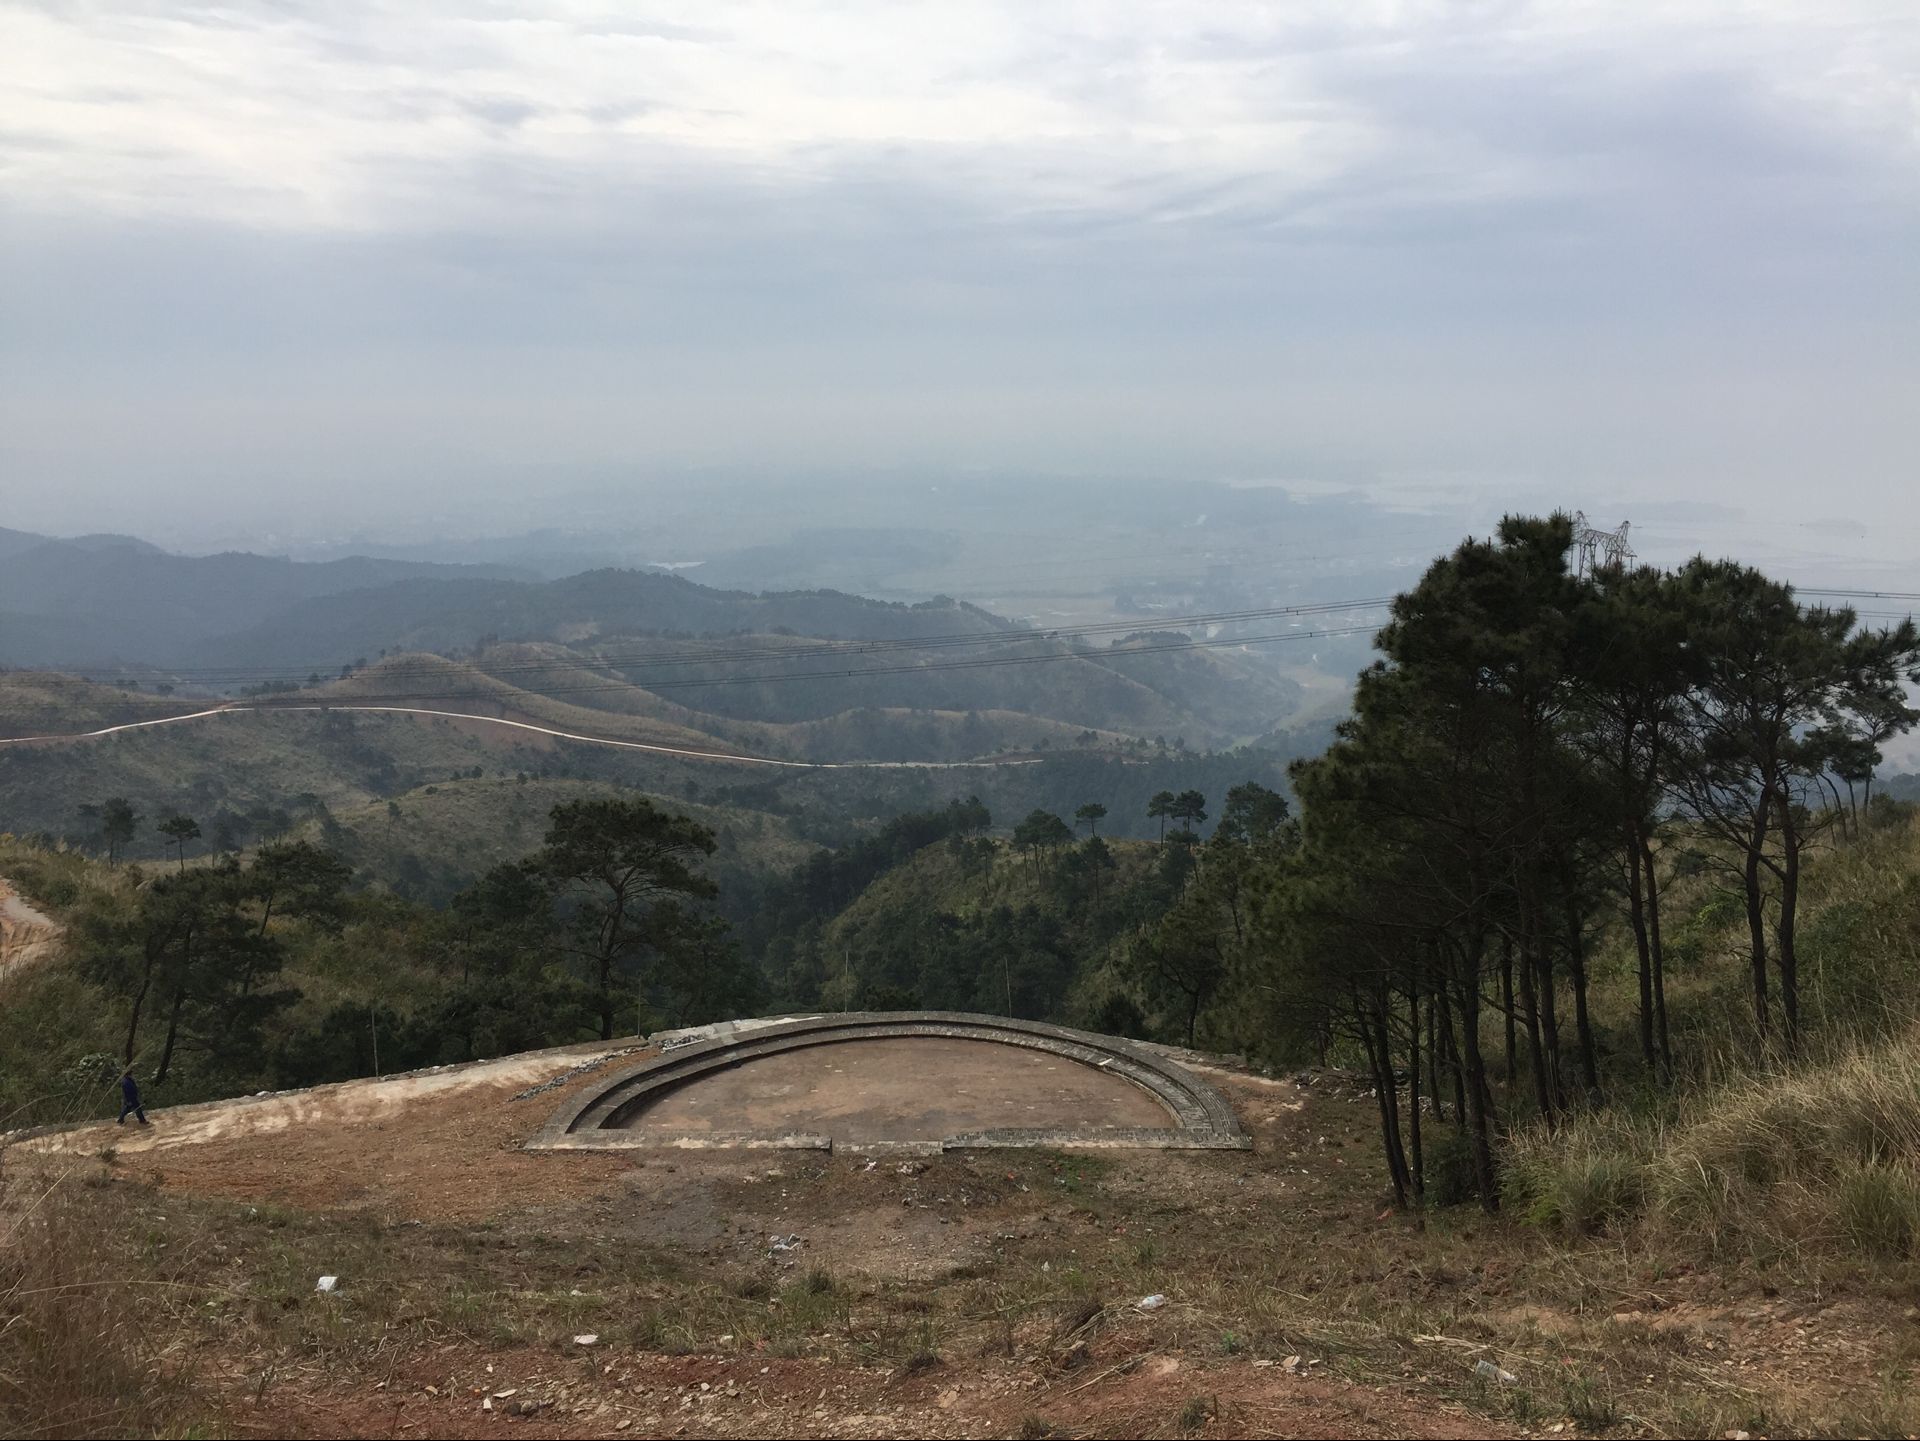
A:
(1588, 1177)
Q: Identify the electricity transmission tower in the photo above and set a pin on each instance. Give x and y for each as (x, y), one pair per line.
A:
(1598, 550)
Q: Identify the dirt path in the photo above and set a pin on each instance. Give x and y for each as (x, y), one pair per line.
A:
(26, 936)
(443, 1143)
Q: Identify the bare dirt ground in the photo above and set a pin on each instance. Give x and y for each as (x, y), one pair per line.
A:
(904, 1089)
(26, 936)
(736, 1293)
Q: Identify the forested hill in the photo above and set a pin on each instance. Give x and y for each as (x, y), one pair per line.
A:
(447, 614)
(97, 600)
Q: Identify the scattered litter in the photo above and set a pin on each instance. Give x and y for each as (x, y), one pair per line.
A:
(1151, 1303)
(1494, 1373)
(326, 1284)
(778, 1245)
(510, 1391)
(486, 1403)
(1294, 1365)
(591, 1338)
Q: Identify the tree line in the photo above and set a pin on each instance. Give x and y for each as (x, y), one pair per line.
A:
(608, 926)
(1527, 761)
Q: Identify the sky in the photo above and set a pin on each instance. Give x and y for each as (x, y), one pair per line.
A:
(358, 262)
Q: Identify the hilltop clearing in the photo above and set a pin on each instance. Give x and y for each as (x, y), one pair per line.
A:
(971, 1294)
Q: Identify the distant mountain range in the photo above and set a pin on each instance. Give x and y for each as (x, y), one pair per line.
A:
(105, 602)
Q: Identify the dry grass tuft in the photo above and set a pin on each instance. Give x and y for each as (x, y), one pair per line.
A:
(74, 1360)
(1824, 1159)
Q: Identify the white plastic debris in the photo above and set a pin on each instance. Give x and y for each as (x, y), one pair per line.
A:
(1494, 1373)
(591, 1338)
(1151, 1303)
(326, 1284)
(780, 1245)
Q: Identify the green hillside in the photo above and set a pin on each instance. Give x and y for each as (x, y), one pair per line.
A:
(431, 841)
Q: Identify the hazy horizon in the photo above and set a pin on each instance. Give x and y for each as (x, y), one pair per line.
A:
(312, 269)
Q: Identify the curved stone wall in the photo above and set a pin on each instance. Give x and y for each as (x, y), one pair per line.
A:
(605, 1117)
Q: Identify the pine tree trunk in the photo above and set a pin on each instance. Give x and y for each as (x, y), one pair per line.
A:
(1506, 998)
(1413, 1097)
(1380, 1062)
(1536, 1052)
(1643, 949)
(139, 1002)
(1434, 1003)
(1756, 913)
(1454, 1067)
(1468, 995)
(173, 1032)
(1582, 1021)
(1661, 1037)
(1789, 960)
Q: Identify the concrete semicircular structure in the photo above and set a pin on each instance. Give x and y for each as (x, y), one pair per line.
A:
(917, 1080)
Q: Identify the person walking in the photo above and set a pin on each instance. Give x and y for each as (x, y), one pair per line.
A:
(130, 1099)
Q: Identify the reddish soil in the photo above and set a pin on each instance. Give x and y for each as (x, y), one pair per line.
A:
(591, 1394)
(1285, 1249)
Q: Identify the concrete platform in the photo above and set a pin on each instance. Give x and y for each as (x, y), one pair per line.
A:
(920, 1080)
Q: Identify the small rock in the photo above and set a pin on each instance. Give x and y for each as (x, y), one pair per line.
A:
(528, 1407)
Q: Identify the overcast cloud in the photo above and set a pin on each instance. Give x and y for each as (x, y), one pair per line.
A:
(384, 252)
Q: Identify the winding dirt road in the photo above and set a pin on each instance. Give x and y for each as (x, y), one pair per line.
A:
(681, 751)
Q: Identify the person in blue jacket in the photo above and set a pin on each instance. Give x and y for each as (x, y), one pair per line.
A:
(130, 1099)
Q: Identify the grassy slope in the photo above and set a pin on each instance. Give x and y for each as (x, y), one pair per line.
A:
(49, 703)
(1774, 1161)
